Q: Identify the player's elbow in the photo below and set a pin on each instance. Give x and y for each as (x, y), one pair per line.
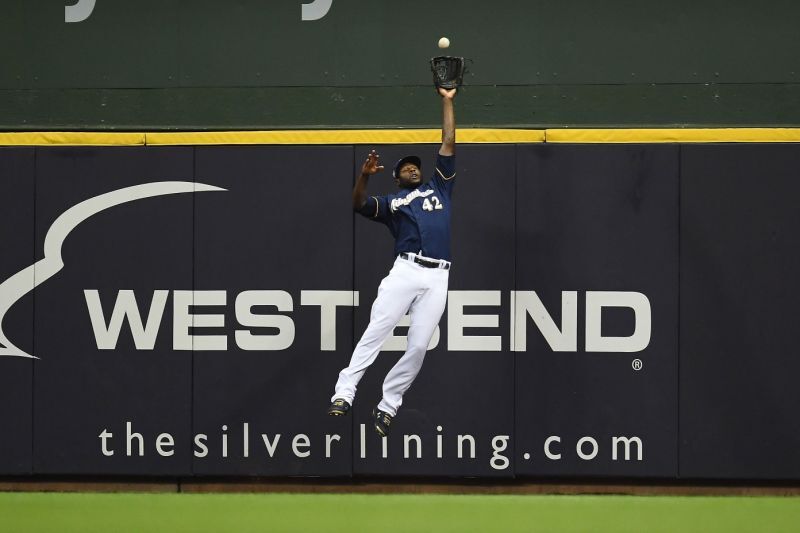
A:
(359, 199)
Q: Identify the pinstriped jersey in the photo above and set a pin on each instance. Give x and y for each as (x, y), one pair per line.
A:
(419, 219)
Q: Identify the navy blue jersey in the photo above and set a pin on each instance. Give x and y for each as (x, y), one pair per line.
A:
(419, 219)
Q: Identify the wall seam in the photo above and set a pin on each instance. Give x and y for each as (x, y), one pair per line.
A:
(678, 380)
(33, 317)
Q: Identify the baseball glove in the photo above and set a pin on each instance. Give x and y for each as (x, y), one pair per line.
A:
(448, 71)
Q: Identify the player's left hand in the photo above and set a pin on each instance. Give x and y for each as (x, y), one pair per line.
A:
(444, 93)
(371, 165)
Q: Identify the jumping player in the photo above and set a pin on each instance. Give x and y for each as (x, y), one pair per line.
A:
(418, 216)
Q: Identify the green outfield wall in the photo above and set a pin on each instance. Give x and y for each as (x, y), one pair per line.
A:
(254, 64)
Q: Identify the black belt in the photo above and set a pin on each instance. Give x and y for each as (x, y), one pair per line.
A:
(444, 265)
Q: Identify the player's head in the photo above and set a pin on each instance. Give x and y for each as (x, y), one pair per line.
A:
(407, 172)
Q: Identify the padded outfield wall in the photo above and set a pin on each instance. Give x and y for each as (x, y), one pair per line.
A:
(615, 311)
(622, 302)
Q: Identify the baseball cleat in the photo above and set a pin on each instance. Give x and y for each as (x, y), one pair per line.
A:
(339, 407)
(381, 421)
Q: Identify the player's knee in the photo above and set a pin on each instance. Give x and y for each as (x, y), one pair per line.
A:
(416, 347)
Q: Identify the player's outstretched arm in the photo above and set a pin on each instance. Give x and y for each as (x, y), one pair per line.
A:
(369, 168)
(448, 122)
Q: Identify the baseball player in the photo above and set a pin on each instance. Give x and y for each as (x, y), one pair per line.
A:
(418, 216)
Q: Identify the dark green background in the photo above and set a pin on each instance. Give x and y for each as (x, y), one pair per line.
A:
(180, 64)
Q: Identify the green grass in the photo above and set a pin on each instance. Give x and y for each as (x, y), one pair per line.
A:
(350, 513)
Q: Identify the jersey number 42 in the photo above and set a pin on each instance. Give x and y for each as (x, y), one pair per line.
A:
(432, 203)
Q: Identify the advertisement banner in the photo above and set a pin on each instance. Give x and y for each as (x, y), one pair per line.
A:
(613, 311)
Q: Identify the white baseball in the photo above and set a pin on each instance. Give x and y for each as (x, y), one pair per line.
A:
(444, 42)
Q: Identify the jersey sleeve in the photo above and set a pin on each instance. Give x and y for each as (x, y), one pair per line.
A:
(375, 208)
(445, 172)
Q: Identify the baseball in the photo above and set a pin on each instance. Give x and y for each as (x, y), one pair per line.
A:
(444, 42)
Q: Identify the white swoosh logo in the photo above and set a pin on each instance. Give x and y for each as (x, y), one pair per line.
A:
(21, 283)
(315, 10)
(79, 12)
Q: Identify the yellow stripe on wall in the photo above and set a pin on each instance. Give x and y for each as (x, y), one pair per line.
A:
(301, 137)
(688, 135)
(71, 138)
(500, 136)
(405, 136)
(306, 137)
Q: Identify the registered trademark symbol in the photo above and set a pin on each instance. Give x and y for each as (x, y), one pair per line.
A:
(637, 364)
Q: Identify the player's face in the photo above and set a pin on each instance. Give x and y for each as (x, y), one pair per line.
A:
(409, 176)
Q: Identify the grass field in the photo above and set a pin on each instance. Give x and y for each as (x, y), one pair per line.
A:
(241, 513)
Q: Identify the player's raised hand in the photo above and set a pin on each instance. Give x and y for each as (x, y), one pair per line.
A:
(444, 93)
(371, 165)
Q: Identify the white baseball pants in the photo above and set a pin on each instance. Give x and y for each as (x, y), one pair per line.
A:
(409, 287)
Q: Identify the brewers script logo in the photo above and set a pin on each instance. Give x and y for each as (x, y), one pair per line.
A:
(21, 283)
